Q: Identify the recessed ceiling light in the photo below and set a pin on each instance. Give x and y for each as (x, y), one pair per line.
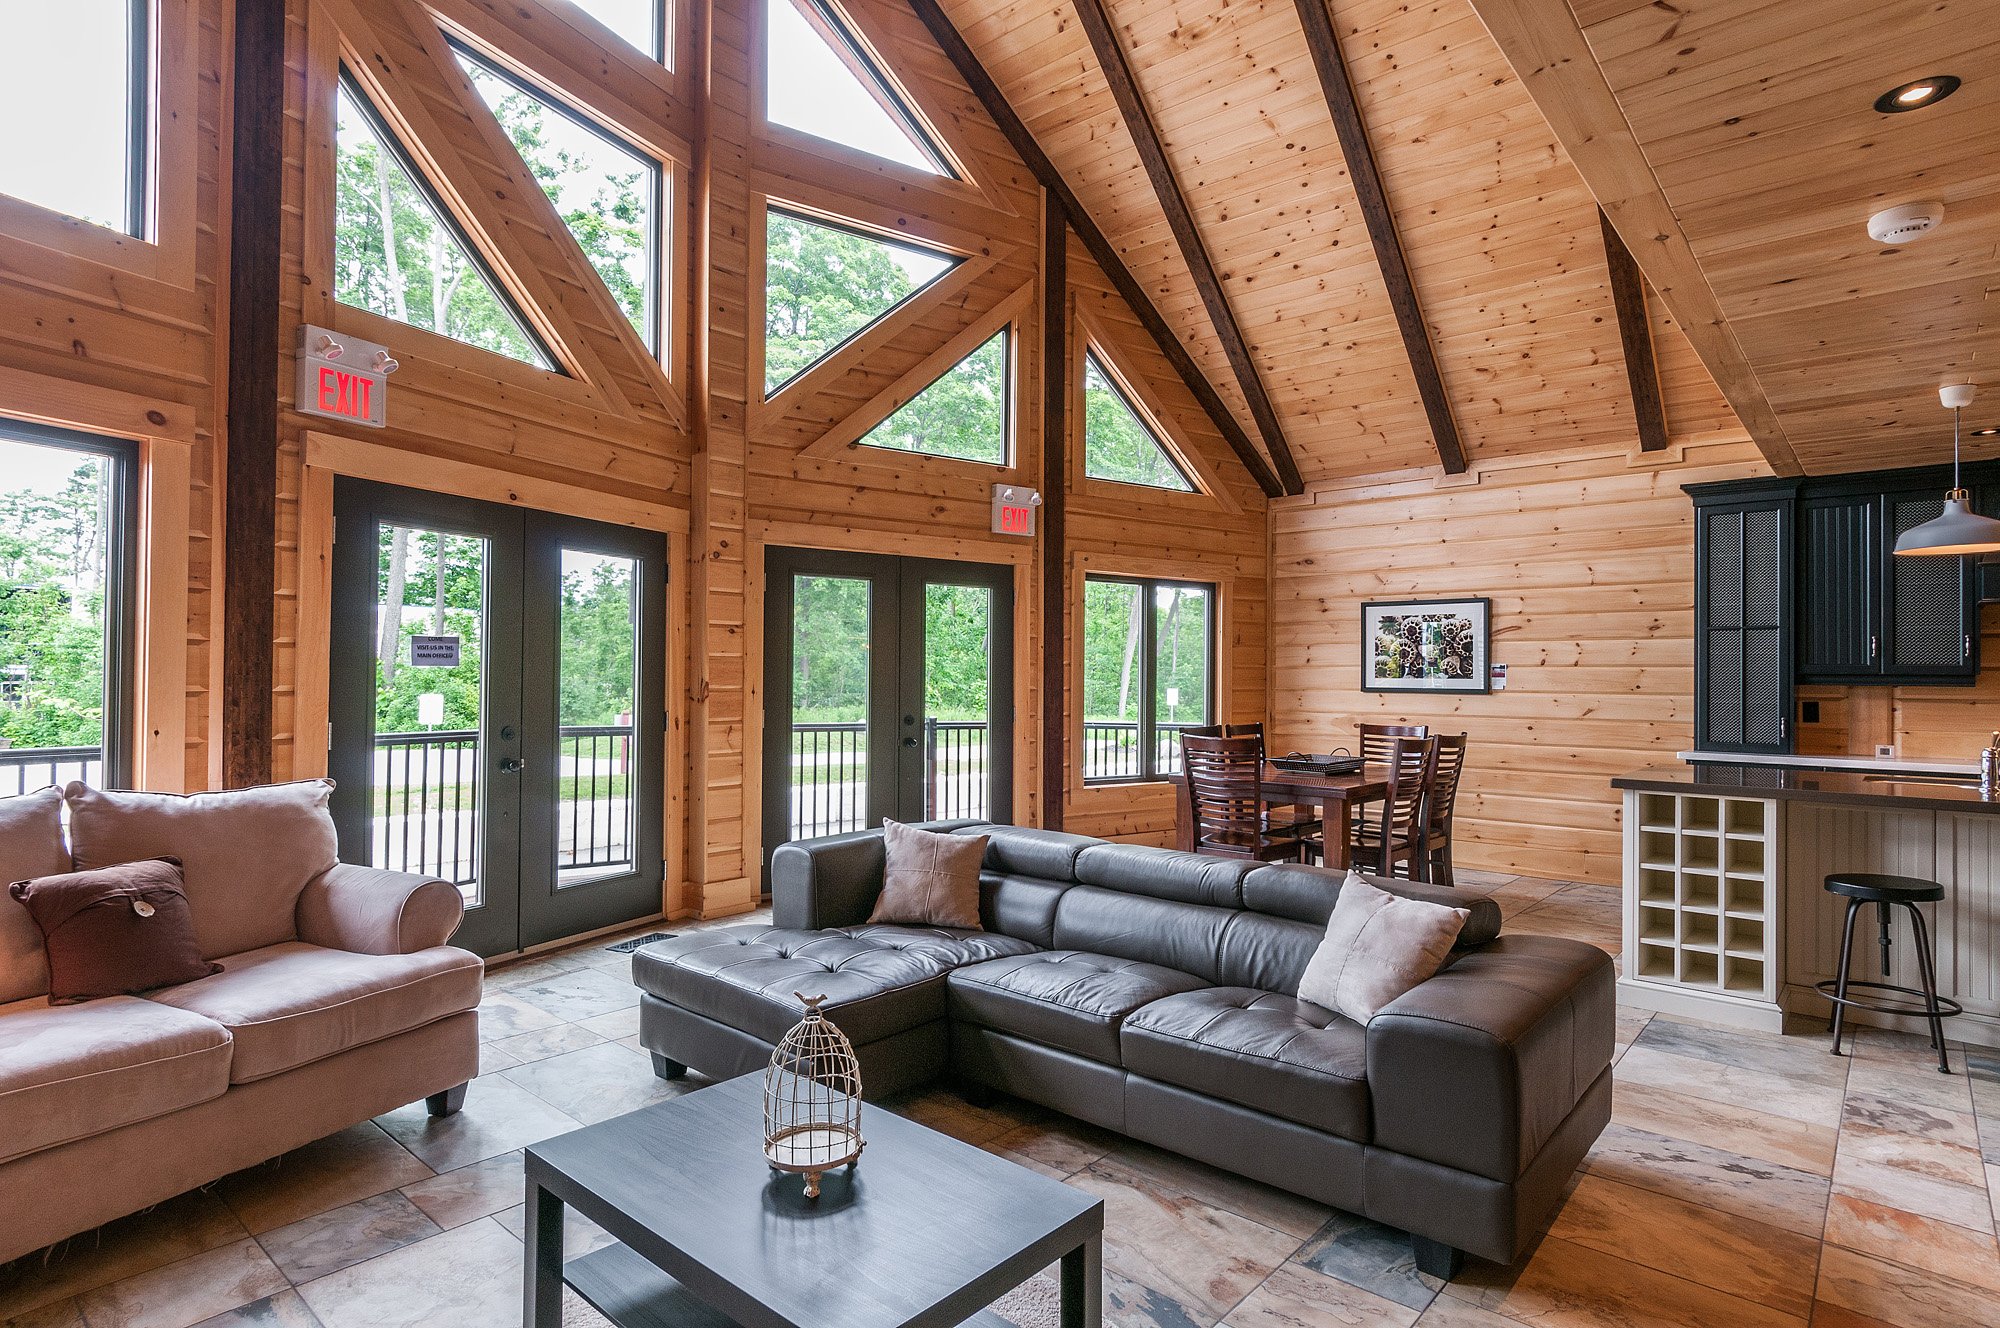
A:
(1917, 95)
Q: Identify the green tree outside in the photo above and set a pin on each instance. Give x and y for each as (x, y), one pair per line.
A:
(53, 551)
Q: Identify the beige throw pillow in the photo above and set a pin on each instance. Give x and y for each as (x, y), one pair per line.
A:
(930, 880)
(1377, 947)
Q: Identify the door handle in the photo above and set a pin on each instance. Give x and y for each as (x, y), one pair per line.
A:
(910, 742)
(510, 765)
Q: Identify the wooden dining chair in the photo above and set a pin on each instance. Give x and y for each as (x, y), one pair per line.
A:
(1375, 739)
(1438, 804)
(1225, 779)
(1398, 834)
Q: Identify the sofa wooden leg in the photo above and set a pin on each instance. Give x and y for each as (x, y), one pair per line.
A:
(446, 1103)
(1437, 1259)
(668, 1069)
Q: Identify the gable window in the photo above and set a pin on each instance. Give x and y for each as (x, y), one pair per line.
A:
(75, 92)
(820, 79)
(641, 23)
(68, 522)
(609, 193)
(1148, 673)
(824, 284)
(1118, 444)
(962, 415)
(397, 254)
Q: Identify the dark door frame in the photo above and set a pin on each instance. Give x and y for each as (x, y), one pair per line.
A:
(895, 711)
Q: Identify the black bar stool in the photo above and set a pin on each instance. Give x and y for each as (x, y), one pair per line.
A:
(1883, 891)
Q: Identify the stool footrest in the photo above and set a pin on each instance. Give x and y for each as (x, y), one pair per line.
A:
(1917, 1005)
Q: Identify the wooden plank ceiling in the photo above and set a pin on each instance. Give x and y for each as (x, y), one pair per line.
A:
(1501, 235)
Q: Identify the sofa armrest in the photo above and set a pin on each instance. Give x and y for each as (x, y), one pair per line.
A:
(1476, 1068)
(830, 882)
(367, 910)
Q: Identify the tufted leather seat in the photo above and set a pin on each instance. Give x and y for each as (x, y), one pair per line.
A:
(1063, 998)
(1259, 1049)
(878, 980)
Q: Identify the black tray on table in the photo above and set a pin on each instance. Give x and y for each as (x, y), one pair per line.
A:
(1301, 763)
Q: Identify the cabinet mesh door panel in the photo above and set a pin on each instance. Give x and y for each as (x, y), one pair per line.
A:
(1725, 570)
(1761, 559)
(1725, 687)
(1927, 626)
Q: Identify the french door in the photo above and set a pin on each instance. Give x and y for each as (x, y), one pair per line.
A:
(888, 692)
(498, 707)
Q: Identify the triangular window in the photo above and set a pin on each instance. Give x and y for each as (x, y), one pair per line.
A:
(820, 80)
(963, 414)
(1117, 443)
(396, 254)
(607, 192)
(639, 22)
(824, 284)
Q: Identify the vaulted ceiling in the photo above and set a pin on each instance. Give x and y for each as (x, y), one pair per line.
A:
(1750, 232)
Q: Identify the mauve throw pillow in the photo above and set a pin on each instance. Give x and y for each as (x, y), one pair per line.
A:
(115, 931)
(1377, 947)
(930, 880)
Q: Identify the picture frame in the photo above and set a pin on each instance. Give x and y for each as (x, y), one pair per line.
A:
(1435, 645)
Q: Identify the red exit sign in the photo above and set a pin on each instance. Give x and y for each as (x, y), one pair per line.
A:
(1014, 509)
(342, 378)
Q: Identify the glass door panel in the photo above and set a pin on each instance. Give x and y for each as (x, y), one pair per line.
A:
(596, 700)
(958, 699)
(829, 705)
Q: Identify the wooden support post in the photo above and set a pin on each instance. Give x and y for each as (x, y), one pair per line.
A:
(1187, 236)
(1635, 335)
(1094, 239)
(1055, 488)
(1381, 222)
(250, 494)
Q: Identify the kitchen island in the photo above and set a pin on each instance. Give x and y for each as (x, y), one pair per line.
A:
(1726, 915)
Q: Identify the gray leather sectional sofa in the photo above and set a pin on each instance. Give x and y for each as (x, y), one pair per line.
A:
(1151, 992)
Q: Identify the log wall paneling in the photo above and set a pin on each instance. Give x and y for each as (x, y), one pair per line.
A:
(1588, 558)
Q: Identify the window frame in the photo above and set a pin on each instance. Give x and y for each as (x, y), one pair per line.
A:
(122, 629)
(356, 91)
(658, 285)
(142, 111)
(853, 51)
(1093, 359)
(1150, 770)
(1005, 333)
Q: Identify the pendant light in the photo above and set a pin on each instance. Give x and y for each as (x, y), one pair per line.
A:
(1959, 530)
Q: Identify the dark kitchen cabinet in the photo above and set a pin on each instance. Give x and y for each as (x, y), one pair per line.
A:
(1743, 664)
(1868, 616)
(1930, 621)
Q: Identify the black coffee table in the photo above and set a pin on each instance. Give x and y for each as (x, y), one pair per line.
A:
(925, 1233)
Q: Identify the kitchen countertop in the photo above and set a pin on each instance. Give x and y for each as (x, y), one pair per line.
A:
(1906, 792)
(1805, 762)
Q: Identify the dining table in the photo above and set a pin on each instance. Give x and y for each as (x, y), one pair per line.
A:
(1336, 797)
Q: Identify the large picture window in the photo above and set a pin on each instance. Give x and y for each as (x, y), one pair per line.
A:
(1148, 673)
(74, 85)
(68, 513)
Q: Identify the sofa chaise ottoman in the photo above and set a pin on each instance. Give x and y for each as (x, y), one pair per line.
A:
(1153, 992)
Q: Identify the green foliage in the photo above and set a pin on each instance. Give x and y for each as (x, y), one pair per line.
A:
(829, 650)
(823, 284)
(393, 254)
(1117, 445)
(52, 629)
(963, 414)
(599, 628)
(958, 652)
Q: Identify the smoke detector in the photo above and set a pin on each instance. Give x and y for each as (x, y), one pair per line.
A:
(1900, 225)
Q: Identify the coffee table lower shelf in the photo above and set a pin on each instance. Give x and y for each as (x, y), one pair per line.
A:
(629, 1290)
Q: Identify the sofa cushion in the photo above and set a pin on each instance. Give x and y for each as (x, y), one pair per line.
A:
(291, 1004)
(1187, 937)
(878, 980)
(1272, 1053)
(31, 845)
(248, 853)
(68, 1072)
(1163, 873)
(116, 931)
(1306, 894)
(1070, 999)
(1017, 850)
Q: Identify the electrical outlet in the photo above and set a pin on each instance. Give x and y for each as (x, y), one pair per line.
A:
(1886, 750)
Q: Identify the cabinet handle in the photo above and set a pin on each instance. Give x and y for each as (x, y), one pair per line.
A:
(1871, 647)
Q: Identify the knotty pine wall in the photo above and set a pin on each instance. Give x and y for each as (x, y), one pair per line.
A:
(1588, 557)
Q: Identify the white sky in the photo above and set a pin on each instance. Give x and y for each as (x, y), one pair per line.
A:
(807, 88)
(631, 19)
(63, 72)
(33, 467)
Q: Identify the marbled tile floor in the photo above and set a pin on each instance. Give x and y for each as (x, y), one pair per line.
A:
(1745, 1180)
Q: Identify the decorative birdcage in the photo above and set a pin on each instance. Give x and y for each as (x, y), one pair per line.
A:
(812, 1100)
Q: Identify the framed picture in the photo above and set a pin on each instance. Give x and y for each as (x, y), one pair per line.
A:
(1437, 645)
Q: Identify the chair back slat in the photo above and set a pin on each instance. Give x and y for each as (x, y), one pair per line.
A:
(1376, 739)
(1411, 763)
(1444, 783)
(1225, 783)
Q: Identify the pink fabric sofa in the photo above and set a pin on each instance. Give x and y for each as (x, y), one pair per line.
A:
(338, 1000)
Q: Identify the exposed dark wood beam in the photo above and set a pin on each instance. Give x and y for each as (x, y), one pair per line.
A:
(1055, 484)
(1094, 239)
(1381, 222)
(1187, 236)
(1635, 334)
(250, 493)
